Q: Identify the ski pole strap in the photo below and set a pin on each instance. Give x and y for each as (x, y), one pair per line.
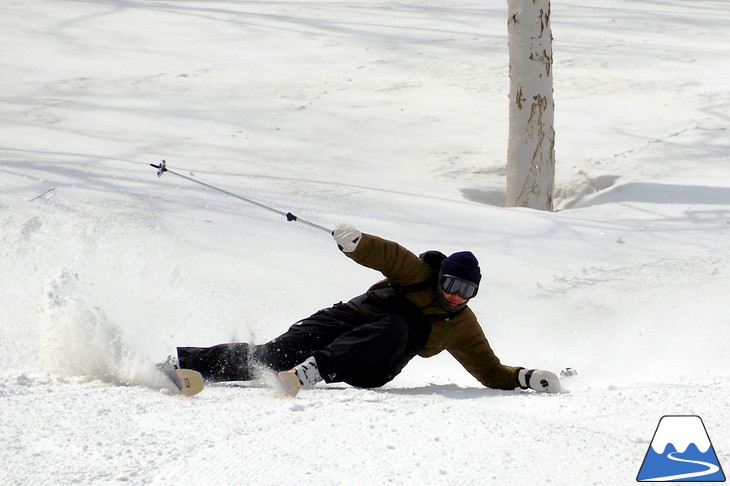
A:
(162, 168)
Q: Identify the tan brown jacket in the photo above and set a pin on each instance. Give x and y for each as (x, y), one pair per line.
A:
(461, 335)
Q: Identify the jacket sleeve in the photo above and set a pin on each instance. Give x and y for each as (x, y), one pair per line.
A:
(470, 347)
(395, 262)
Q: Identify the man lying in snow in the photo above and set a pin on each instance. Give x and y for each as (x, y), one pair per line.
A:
(419, 308)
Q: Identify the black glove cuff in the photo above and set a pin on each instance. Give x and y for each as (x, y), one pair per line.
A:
(528, 375)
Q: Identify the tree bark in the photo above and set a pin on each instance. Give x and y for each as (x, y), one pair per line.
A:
(531, 146)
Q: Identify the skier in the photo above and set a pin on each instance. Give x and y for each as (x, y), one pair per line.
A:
(419, 308)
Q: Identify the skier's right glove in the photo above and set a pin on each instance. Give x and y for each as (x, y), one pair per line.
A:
(346, 237)
(539, 380)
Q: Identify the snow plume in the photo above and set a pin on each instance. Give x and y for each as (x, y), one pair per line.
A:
(77, 339)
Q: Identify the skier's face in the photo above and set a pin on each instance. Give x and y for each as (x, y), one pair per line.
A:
(453, 300)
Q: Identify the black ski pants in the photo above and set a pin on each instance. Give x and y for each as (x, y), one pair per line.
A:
(365, 342)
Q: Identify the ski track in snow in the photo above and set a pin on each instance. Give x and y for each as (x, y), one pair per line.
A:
(391, 117)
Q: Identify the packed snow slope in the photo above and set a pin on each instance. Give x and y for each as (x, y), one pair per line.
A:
(390, 116)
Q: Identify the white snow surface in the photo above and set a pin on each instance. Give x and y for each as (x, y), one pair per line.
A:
(390, 116)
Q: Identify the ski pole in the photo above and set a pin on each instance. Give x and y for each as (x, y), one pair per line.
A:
(162, 168)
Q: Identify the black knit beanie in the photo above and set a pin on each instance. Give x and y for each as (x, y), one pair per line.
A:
(464, 265)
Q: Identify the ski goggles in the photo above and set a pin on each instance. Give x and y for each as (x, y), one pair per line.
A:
(455, 285)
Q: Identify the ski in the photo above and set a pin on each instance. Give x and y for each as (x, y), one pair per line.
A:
(188, 382)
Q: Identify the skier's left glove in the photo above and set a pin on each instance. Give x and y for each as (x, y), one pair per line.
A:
(346, 237)
(539, 380)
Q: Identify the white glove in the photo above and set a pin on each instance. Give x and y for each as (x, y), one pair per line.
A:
(539, 380)
(346, 237)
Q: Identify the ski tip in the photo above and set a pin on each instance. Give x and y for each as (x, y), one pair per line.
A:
(289, 383)
(190, 382)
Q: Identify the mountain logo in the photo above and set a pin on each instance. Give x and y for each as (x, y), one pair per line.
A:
(681, 451)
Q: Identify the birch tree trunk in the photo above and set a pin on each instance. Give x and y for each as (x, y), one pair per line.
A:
(531, 146)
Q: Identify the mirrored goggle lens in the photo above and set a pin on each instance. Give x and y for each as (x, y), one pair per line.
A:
(454, 285)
